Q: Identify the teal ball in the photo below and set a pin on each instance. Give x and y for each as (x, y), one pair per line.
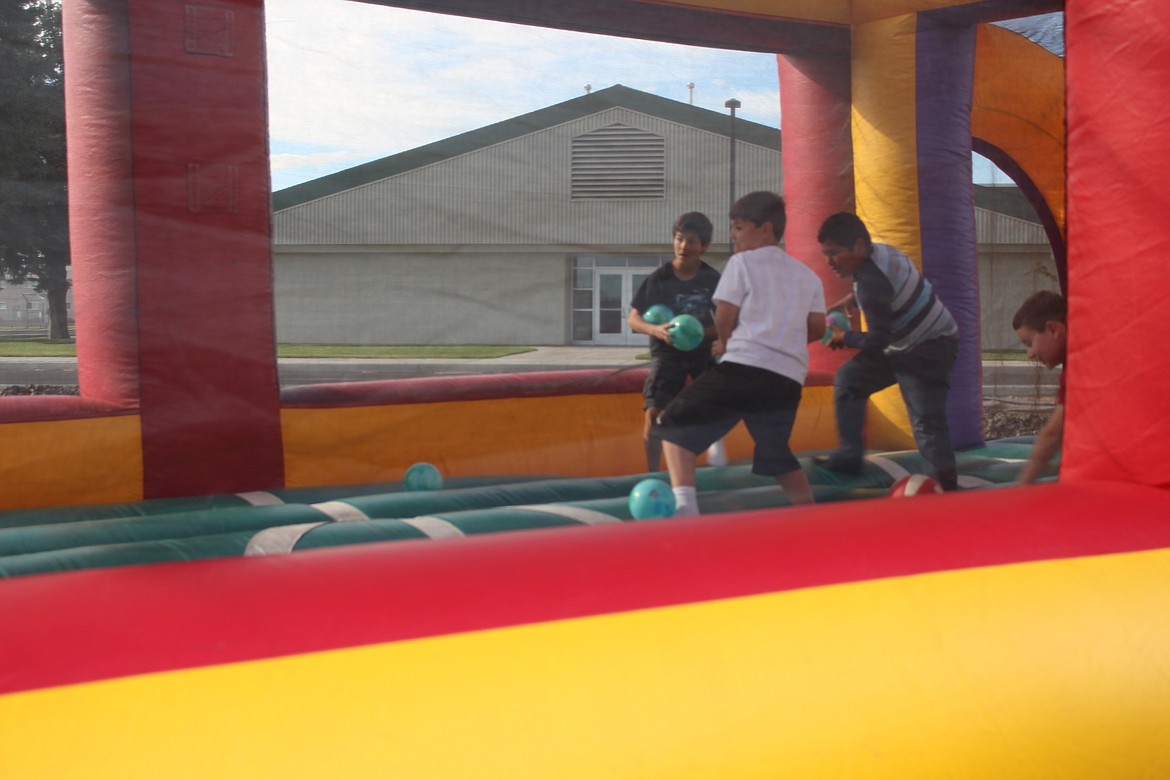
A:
(651, 499)
(834, 319)
(422, 476)
(686, 332)
(837, 319)
(658, 314)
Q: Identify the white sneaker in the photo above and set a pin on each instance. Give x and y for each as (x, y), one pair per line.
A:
(717, 454)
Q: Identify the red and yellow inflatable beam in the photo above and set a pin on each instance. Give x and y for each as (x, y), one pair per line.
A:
(1003, 633)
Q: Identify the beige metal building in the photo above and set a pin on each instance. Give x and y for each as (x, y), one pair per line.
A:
(1015, 260)
(535, 230)
(22, 308)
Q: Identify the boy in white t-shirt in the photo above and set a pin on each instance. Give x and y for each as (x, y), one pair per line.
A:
(769, 307)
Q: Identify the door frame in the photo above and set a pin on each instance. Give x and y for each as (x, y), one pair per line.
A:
(632, 279)
(631, 276)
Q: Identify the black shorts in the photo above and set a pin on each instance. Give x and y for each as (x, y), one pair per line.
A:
(712, 405)
(668, 376)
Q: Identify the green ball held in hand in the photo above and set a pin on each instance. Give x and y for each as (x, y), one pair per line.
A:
(686, 332)
(658, 314)
(834, 319)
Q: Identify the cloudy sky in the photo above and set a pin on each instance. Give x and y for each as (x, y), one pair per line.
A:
(351, 82)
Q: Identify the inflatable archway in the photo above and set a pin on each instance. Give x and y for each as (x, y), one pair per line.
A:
(1007, 632)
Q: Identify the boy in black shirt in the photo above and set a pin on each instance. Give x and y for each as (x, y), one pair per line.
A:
(685, 286)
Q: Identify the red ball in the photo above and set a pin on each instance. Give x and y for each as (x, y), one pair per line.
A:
(914, 485)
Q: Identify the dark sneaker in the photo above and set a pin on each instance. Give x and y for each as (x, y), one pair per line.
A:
(948, 479)
(838, 464)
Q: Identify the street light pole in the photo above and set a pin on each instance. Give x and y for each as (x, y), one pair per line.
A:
(732, 104)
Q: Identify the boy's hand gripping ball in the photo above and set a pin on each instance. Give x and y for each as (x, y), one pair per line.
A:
(686, 332)
(834, 319)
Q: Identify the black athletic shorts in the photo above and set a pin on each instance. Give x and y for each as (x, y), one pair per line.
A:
(711, 406)
(668, 376)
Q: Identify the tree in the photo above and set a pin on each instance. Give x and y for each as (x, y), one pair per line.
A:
(34, 222)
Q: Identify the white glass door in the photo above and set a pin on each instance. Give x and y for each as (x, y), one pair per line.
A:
(615, 289)
(602, 288)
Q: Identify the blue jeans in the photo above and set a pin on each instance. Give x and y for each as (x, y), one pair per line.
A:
(924, 376)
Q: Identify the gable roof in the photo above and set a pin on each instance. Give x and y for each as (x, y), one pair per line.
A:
(1005, 199)
(595, 102)
(1001, 199)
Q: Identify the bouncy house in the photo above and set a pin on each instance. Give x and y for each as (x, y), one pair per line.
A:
(218, 578)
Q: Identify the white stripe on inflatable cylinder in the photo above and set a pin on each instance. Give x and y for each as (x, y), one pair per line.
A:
(577, 513)
(261, 498)
(434, 527)
(340, 512)
(890, 467)
(279, 540)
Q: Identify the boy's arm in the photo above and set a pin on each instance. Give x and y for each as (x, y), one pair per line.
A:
(846, 303)
(1045, 448)
(639, 325)
(710, 333)
(816, 326)
(879, 316)
(726, 318)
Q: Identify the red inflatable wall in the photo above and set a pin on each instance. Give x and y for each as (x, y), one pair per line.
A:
(1118, 153)
(173, 94)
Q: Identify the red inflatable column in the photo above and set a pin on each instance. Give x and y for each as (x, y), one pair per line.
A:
(195, 225)
(1118, 59)
(817, 156)
(101, 198)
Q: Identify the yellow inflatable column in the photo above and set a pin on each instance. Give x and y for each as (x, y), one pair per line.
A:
(886, 173)
(884, 147)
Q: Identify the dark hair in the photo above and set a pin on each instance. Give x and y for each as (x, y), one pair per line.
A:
(1040, 309)
(761, 207)
(695, 222)
(843, 229)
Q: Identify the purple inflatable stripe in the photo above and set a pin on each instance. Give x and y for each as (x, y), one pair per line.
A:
(945, 68)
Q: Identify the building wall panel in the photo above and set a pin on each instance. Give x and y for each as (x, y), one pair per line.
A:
(449, 297)
(475, 248)
(518, 191)
(1007, 275)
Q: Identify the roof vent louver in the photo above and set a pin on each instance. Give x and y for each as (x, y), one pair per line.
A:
(619, 162)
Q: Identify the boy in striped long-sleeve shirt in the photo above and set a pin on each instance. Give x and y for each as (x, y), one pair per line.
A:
(911, 339)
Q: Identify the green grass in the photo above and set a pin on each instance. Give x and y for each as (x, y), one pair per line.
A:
(37, 348)
(1004, 354)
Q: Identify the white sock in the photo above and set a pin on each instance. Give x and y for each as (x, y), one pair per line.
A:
(717, 454)
(685, 501)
